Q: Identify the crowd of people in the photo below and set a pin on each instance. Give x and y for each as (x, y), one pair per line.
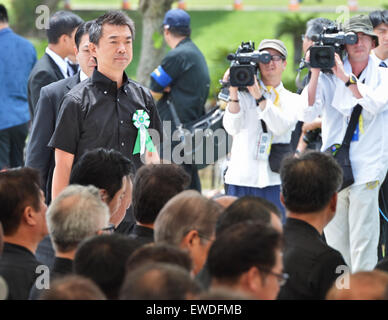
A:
(95, 212)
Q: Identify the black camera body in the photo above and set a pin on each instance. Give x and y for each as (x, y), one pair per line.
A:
(243, 67)
(332, 40)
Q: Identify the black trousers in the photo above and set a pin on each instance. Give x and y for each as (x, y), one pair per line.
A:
(383, 205)
(12, 143)
(192, 170)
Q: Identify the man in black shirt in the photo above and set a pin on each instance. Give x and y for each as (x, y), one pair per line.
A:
(309, 192)
(182, 78)
(22, 215)
(108, 110)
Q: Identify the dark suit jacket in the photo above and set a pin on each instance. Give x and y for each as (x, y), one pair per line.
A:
(39, 155)
(44, 72)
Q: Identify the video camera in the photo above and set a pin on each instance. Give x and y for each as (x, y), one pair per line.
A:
(331, 40)
(244, 64)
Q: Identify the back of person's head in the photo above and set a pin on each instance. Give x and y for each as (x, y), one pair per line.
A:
(177, 21)
(60, 23)
(246, 244)
(72, 287)
(159, 281)
(164, 253)
(225, 200)
(309, 182)
(3, 14)
(19, 188)
(249, 244)
(187, 211)
(102, 168)
(102, 259)
(116, 18)
(81, 31)
(316, 26)
(153, 186)
(243, 209)
(363, 285)
(378, 17)
(77, 213)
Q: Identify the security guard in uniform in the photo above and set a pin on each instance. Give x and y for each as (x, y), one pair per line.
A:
(182, 78)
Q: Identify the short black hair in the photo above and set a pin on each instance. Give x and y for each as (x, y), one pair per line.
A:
(310, 181)
(19, 188)
(102, 258)
(245, 245)
(81, 31)
(378, 17)
(103, 169)
(159, 281)
(3, 14)
(116, 18)
(153, 186)
(244, 208)
(60, 23)
(160, 252)
(180, 31)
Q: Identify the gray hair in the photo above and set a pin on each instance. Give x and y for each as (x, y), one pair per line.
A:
(316, 25)
(187, 211)
(77, 213)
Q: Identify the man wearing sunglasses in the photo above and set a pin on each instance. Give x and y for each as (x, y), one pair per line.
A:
(263, 115)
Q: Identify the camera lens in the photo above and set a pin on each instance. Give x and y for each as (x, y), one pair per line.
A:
(242, 76)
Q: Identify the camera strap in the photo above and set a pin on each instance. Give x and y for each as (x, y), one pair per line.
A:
(354, 118)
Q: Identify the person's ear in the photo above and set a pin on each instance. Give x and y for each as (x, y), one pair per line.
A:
(104, 195)
(93, 49)
(333, 202)
(282, 199)
(190, 239)
(254, 279)
(29, 216)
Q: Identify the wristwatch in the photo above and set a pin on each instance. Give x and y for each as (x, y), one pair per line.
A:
(352, 80)
(262, 98)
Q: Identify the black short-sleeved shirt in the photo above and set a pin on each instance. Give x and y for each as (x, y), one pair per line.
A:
(18, 268)
(95, 113)
(185, 71)
(310, 263)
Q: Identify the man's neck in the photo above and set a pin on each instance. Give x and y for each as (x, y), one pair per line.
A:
(4, 25)
(315, 219)
(65, 255)
(380, 53)
(24, 241)
(147, 225)
(175, 41)
(358, 67)
(272, 82)
(58, 50)
(112, 75)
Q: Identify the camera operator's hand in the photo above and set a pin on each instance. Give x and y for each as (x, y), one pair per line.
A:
(257, 93)
(338, 69)
(312, 86)
(314, 71)
(233, 105)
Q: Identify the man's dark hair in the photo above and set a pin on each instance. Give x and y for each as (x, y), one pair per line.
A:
(103, 169)
(245, 245)
(116, 18)
(153, 186)
(159, 253)
(243, 209)
(316, 26)
(72, 287)
(180, 31)
(378, 17)
(81, 31)
(3, 14)
(19, 188)
(60, 23)
(310, 181)
(159, 281)
(102, 259)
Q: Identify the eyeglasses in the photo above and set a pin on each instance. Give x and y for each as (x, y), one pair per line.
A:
(109, 229)
(277, 58)
(281, 277)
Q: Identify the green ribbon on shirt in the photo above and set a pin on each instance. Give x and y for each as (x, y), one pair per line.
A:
(141, 120)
